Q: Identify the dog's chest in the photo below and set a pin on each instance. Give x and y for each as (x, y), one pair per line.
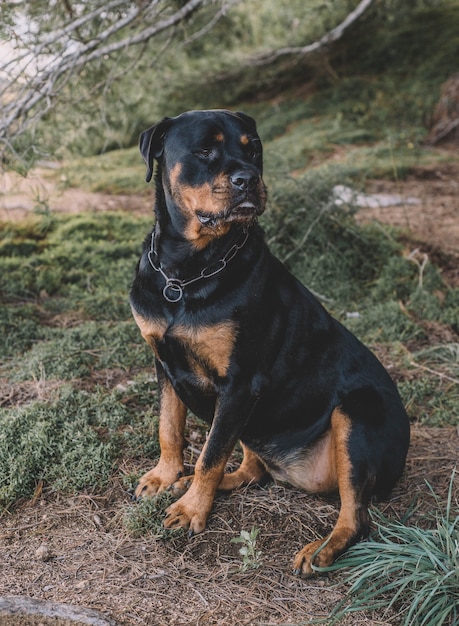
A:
(204, 351)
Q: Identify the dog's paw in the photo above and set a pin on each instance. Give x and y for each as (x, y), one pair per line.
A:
(187, 514)
(180, 486)
(155, 481)
(304, 559)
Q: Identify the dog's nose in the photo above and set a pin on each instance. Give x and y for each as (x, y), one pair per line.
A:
(243, 179)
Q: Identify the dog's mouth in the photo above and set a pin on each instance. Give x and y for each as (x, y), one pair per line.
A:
(245, 212)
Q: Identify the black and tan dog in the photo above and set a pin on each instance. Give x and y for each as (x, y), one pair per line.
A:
(247, 348)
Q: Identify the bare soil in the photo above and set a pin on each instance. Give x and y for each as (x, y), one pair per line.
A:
(76, 550)
(20, 197)
(432, 226)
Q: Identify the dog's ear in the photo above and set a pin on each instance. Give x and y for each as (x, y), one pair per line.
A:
(151, 144)
(249, 121)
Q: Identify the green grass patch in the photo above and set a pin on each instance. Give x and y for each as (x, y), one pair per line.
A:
(85, 262)
(83, 349)
(432, 398)
(115, 172)
(414, 570)
(74, 440)
(146, 518)
(383, 322)
(20, 328)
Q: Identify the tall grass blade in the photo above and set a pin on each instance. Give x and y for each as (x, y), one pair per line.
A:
(414, 570)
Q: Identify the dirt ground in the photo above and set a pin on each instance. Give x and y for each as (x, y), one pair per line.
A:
(75, 549)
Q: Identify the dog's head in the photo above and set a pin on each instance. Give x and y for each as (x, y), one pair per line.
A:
(211, 171)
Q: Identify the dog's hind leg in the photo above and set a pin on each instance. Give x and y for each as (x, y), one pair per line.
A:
(250, 471)
(352, 523)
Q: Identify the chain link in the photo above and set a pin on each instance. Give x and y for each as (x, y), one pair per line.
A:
(173, 289)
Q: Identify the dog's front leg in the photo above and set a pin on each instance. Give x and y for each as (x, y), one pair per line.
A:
(192, 509)
(172, 418)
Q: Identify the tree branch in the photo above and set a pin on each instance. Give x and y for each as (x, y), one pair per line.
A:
(330, 37)
(32, 83)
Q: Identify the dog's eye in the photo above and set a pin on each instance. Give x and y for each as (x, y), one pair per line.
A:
(252, 152)
(204, 153)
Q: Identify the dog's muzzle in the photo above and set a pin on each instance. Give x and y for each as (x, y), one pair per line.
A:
(246, 201)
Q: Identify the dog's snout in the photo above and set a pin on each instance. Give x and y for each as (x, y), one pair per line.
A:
(243, 179)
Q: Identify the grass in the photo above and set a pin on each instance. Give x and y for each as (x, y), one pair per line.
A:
(80, 263)
(74, 439)
(116, 172)
(412, 569)
(431, 398)
(84, 349)
(146, 517)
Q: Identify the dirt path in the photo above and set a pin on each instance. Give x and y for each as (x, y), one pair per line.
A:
(42, 188)
(433, 221)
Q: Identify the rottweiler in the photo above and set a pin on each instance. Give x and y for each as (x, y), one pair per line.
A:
(241, 343)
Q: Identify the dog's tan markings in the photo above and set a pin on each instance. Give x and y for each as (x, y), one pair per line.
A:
(314, 470)
(245, 140)
(171, 439)
(200, 236)
(192, 509)
(152, 330)
(346, 527)
(220, 137)
(250, 471)
(211, 346)
(209, 198)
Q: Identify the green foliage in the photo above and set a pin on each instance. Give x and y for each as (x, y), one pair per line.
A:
(384, 322)
(393, 54)
(447, 353)
(86, 262)
(323, 246)
(413, 569)
(431, 399)
(116, 172)
(56, 442)
(146, 518)
(20, 327)
(83, 349)
(402, 38)
(251, 557)
(72, 441)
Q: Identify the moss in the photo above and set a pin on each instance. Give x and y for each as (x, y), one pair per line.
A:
(72, 441)
(147, 517)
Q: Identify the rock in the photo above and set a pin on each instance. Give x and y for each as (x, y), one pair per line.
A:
(345, 195)
(445, 118)
(43, 553)
(23, 611)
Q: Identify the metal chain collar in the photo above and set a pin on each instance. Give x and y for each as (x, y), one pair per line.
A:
(173, 289)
